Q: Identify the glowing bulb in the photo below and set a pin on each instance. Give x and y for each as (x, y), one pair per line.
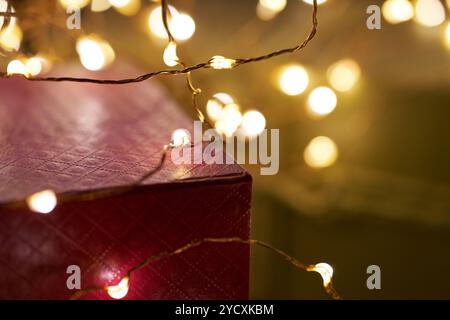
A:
(182, 26)
(344, 74)
(321, 152)
(396, 11)
(155, 21)
(119, 3)
(170, 55)
(293, 80)
(429, 13)
(273, 5)
(181, 137)
(219, 62)
(232, 115)
(73, 3)
(224, 98)
(100, 5)
(325, 270)
(447, 35)
(214, 109)
(11, 36)
(17, 67)
(34, 66)
(95, 53)
(119, 291)
(253, 123)
(264, 13)
(43, 201)
(319, 2)
(127, 7)
(322, 101)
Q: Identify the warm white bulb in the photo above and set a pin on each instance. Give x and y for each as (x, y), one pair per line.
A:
(325, 270)
(219, 62)
(182, 26)
(181, 137)
(396, 11)
(321, 152)
(170, 55)
(344, 74)
(311, 2)
(273, 5)
(17, 67)
(119, 291)
(253, 123)
(429, 13)
(322, 101)
(94, 52)
(293, 80)
(43, 201)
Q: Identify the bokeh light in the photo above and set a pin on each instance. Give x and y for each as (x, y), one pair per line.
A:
(11, 36)
(253, 123)
(293, 80)
(17, 67)
(311, 2)
(181, 137)
(429, 13)
(321, 152)
(322, 101)
(42, 202)
(94, 52)
(344, 74)
(447, 36)
(127, 7)
(100, 5)
(181, 25)
(396, 11)
(74, 3)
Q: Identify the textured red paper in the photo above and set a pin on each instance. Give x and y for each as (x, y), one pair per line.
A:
(82, 137)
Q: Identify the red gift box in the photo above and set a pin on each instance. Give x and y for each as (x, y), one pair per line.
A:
(75, 137)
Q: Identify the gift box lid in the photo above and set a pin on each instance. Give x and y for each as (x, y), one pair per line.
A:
(77, 137)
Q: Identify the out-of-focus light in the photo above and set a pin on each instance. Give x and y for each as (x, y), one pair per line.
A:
(293, 80)
(274, 5)
(447, 35)
(180, 137)
(396, 11)
(219, 62)
(17, 67)
(42, 202)
(11, 36)
(319, 2)
(119, 3)
(119, 291)
(170, 55)
(127, 7)
(344, 74)
(34, 66)
(264, 13)
(229, 120)
(429, 13)
(74, 3)
(325, 270)
(181, 25)
(225, 98)
(322, 101)
(214, 109)
(94, 52)
(253, 123)
(100, 5)
(321, 152)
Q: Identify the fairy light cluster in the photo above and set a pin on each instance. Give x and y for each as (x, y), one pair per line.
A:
(95, 53)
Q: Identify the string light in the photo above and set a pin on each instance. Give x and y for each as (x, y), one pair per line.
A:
(180, 137)
(253, 123)
(429, 13)
(17, 67)
(94, 52)
(120, 290)
(322, 101)
(11, 36)
(219, 62)
(42, 202)
(181, 24)
(397, 11)
(321, 152)
(344, 74)
(325, 270)
(170, 55)
(293, 80)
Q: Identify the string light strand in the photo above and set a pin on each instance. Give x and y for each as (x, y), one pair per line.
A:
(323, 269)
